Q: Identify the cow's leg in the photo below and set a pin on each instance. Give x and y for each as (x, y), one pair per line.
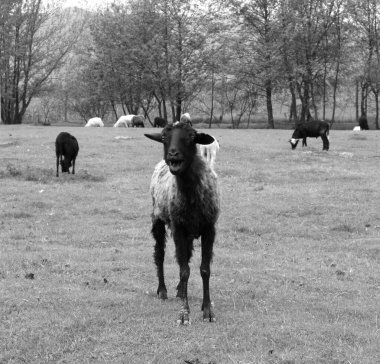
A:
(208, 238)
(184, 251)
(57, 165)
(159, 234)
(326, 143)
(304, 144)
(73, 166)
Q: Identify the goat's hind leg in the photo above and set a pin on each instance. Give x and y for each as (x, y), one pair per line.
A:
(159, 234)
(184, 251)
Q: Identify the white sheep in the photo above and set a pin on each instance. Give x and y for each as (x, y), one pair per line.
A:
(122, 121)
(94, 122)
(185, 118)
(208, 152)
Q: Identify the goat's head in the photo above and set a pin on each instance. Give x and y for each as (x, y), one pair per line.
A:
(180, 142)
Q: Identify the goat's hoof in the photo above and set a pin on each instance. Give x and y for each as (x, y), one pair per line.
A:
(208, 315)
(162, 295)
(184, 317)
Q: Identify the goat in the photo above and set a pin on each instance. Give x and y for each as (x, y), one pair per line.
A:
(159, 122)
(185, 198)
(209, 151)
(94, 122)
(66, 146)
(312, 129)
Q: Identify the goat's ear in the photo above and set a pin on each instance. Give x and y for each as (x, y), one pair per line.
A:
(202, 138)
(156, 137)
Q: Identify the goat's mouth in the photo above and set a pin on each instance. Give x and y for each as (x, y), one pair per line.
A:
(175, 165)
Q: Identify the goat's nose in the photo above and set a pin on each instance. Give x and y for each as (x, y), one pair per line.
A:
(173, 152)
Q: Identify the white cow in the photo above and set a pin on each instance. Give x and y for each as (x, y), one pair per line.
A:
(94, 122)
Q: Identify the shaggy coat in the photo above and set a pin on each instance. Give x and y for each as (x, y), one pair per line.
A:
(186, 199)
(66, 150)
(312, 129)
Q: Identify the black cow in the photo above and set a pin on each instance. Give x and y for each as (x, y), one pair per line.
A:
(363, 123)
(312, 129)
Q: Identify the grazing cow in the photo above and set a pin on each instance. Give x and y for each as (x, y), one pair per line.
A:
(363, 123)
(159, 122)
(312, 129)
(66, 146)
(186, 199)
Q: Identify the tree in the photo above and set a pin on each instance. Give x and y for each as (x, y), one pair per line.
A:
(260, 18)
(34, 42)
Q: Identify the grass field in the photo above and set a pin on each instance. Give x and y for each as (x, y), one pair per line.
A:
(296, 271)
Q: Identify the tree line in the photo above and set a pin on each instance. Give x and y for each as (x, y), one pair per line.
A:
(222, 59)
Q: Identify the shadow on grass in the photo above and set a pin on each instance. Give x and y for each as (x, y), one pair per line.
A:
(46, 175)
(358, 137)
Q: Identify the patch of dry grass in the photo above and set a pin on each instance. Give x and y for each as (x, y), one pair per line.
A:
(295, 277)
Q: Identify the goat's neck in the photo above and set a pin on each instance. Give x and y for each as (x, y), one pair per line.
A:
(189, 182)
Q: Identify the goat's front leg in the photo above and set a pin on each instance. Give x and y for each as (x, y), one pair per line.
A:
(184, 248)
(159, 234)
(208, 238)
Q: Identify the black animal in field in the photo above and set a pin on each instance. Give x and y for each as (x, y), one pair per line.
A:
(138, 121)
(311, 129)
(66, 150)
(159, 122)
(185, 199)
(363, 123)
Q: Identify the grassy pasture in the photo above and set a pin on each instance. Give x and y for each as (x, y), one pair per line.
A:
(296, 272)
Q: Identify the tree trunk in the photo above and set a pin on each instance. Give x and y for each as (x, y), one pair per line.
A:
(293, 105)
(268, 90)
(357, 100)
(377, 110)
